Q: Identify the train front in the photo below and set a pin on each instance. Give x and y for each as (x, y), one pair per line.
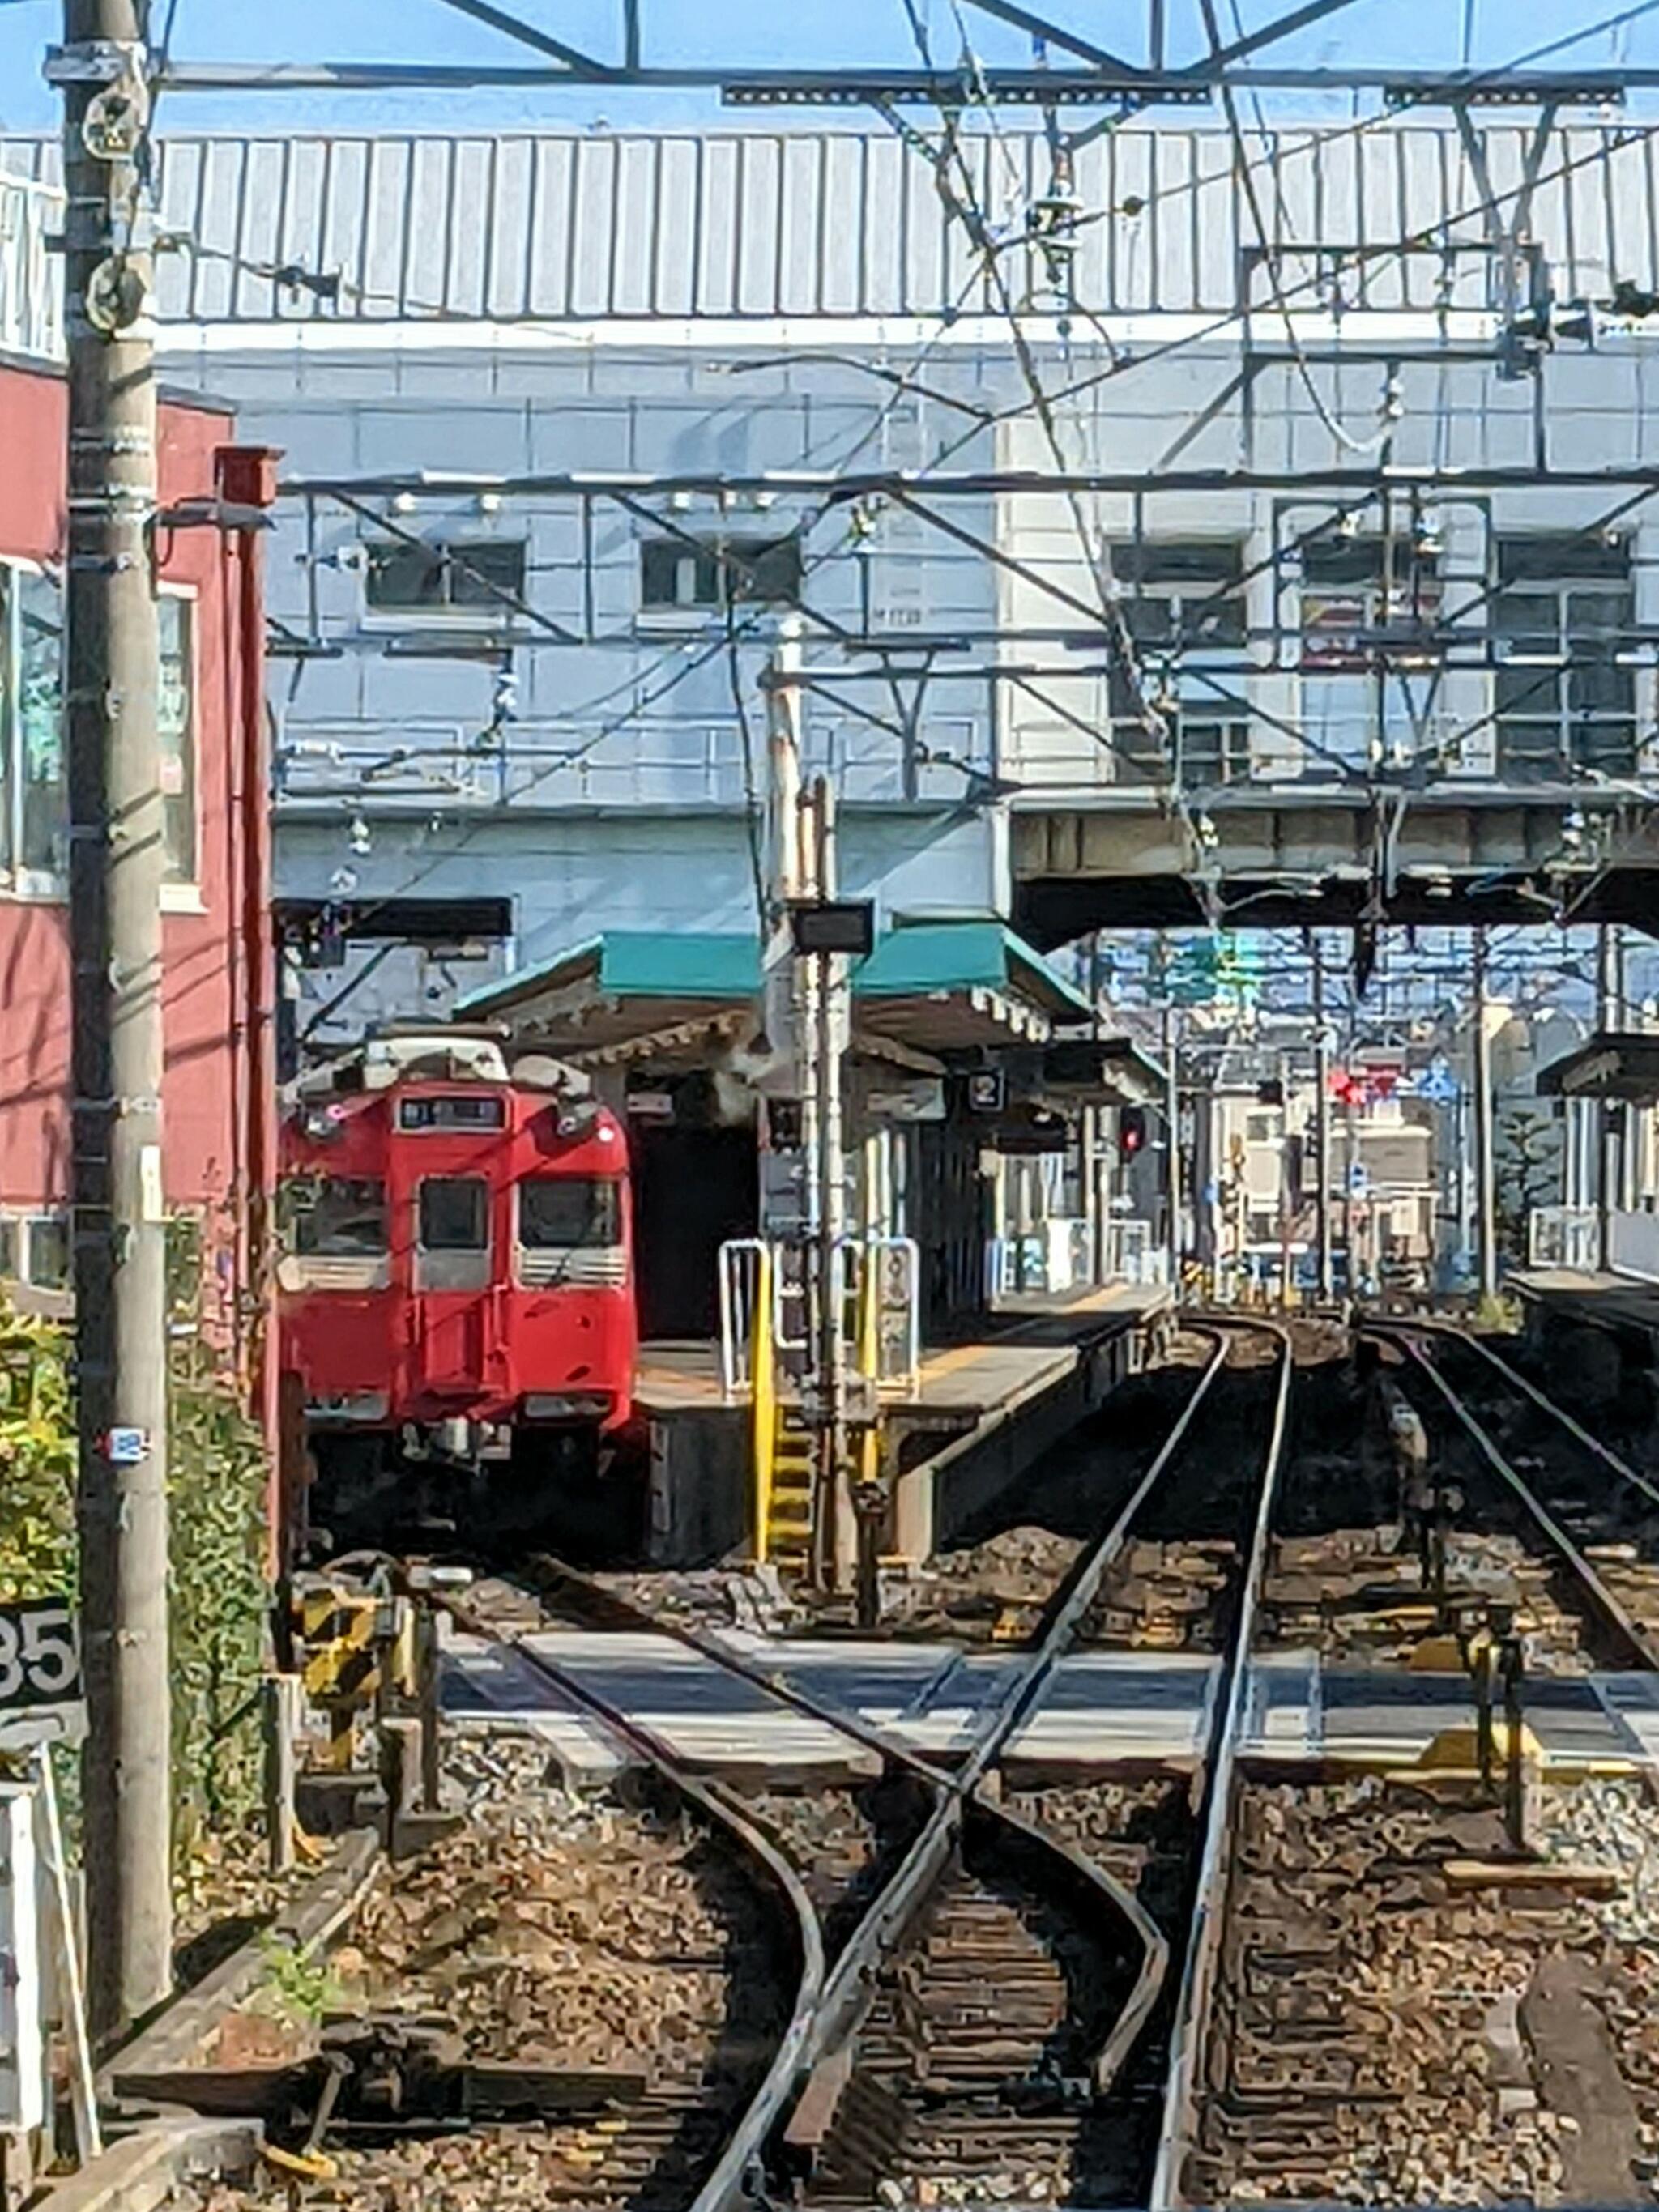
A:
(457, 1306)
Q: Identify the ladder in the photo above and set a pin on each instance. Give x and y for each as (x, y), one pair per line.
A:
(789, 1497)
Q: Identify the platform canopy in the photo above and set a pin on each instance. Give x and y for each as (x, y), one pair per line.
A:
(1620, 1065)
(927, 989)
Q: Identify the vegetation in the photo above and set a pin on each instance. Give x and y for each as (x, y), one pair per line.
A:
(218, 1595)
(299, 1987)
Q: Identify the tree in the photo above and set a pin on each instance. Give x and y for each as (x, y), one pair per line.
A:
(1527, 1169)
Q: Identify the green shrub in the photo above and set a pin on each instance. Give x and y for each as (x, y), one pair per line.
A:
(216, 1492)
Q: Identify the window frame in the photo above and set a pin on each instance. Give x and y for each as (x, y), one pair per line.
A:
(720, 549)
(1553, 673)
(1135, 758)
(183, 889)
(21, 880)
(486, 613)
(478, 1182)
(25, 880)
(616, 1226)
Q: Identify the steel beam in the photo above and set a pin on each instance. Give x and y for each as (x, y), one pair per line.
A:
(1015, 87)
(914, 486)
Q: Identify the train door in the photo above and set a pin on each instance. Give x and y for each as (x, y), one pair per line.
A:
(451, 1278)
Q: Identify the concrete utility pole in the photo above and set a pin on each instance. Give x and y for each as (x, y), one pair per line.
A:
(1608, 1016)
(116, 863)
(1322, 1126)
(1486, 1208)
(1172, 1135)
(827, 1168)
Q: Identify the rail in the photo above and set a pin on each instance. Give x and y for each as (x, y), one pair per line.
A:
(1640, 1642)
(1176, 2134)
(846, 1989)
(735, 2178)
(849, 1986)
(553, 1579)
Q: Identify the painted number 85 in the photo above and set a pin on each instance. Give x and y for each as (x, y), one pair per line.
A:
(38, 1659)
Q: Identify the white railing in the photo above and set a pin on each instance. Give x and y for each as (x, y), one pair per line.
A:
(1059, 1256)
(1563, 1236)
(894, 1325)
(1133, 1252)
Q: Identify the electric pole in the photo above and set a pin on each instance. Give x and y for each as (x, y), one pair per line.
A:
(1608, 1149)
(1172, 1143)
(1486, 1210)
(1322, 1125)
(831, 991)
(116, 863)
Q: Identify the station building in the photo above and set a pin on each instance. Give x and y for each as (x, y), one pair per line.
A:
(572, 419)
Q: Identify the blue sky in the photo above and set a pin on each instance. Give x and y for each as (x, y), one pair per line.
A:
(1411, 32)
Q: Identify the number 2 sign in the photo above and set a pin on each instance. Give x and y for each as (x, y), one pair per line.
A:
(40, 1688)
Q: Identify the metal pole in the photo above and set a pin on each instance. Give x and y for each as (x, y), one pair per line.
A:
(115, 862)
(1172, 1138)
(1485, 1211)
(1607, 1179)
(1322, 1126)
(830, 1165)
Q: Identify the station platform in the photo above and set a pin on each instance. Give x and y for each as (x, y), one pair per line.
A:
(1124, 1713)
(1596, 1335)
(982, 1412)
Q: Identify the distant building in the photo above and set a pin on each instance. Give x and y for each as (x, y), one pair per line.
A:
(218, 975)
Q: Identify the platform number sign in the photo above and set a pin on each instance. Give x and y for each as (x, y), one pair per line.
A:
(41, 1689)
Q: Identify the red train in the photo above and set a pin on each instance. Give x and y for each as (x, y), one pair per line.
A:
(456, 1288)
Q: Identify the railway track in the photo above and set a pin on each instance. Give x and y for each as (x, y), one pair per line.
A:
(1012, 1984)
(1592, 1517)
(742, 1958)
(1134, 1991)
(1403, 2010)
(1011, 2019)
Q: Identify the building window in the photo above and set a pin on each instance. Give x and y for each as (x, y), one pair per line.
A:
(175, 732)
(1364, 595)
(434, 579)
(1368, 604)
(48, 1252)
(722, 572)
(1562, 616)
(1213, 752)
(33, 784)
(1182, 601)
(10, 1238)
(33, 740)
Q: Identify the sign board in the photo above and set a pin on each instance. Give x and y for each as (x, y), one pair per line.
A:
(987, 1091)
(1358, 1182)
(41, 1687)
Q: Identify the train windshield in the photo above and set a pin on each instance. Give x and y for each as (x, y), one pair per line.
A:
(558, 1213)
(335, 1217)
(454, 1213)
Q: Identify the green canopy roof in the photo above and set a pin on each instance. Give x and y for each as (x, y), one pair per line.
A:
(688, 973)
